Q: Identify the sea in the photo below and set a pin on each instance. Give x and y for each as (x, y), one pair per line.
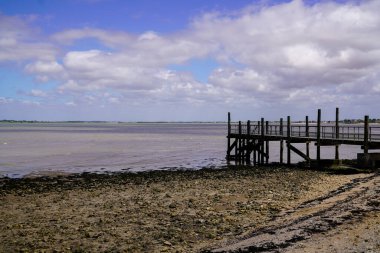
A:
(37, 149)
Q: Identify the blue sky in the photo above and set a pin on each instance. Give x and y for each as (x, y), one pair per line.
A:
(188, 60)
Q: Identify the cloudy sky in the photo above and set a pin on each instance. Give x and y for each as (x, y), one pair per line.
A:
(173, 60)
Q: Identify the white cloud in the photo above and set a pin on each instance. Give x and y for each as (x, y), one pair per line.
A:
(18, 41)
(4, 100)
(37, 93)
(111, 39)
(284, 53)
(46, 67)
(70, 103)
(30, 102)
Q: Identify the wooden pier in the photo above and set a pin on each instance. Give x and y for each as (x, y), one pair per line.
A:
(249, 142)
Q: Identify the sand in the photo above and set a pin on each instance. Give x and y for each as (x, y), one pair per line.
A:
(166, 211)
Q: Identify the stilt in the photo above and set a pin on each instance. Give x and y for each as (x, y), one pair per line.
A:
(259, 144)
(366, 125)
(307, 135)
(319, 138)
(281, 142)
(239, 158)
(267, 143)
(288, 140)
(229, 138)
(262, 141)
(248, 148)
(254, 153)
(337, 133)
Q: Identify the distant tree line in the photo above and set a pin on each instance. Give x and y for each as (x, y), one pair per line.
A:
(354, 121)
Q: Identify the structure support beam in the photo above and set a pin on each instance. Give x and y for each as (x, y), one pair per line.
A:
(281, 143)
(299, 152)
(307, 135)
(229, 138)
(337, 133)
(288, 130)
(262, 140)
(366, 135)
(319, 138)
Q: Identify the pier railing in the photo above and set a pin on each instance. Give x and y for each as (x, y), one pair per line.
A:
(346, 132)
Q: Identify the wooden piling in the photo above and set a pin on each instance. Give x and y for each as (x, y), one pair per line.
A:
(229, 137)
(248, 151)
(254, 152)
(281, 142)
(239, 141)
(262, 141)
(337, 133)
(288, 141)
(366, 128)
(259, 144)
(319, 138)
(267, 143)
(307, 135)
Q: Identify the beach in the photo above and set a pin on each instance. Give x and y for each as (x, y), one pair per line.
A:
(157, 211)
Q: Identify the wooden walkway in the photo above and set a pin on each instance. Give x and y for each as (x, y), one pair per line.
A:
(249, 142)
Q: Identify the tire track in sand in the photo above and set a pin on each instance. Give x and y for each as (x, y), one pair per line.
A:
(348, 203)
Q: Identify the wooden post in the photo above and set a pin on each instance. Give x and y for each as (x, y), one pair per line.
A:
(307, 135)
(258, 143)
(267, 142)
(228, 137)
(366, 128)
(262, 141)
(288, 140)
(281, 143)
(337, 133)
(236, 149)
(254, 153)
(248, 151)
(239, 141)
(319, 138)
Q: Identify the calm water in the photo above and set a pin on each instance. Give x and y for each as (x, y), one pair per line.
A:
(78, 147)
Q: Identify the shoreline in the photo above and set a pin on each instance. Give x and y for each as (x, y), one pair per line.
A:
(183, 210)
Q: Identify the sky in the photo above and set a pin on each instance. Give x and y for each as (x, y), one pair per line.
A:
(191, 60)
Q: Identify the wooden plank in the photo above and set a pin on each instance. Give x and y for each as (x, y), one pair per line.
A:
(372, 146)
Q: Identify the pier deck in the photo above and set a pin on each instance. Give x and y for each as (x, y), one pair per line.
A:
(249, 141)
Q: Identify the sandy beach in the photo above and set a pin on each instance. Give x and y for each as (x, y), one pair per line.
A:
(173, 211)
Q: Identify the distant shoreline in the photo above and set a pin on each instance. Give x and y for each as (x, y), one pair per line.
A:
(116, 122)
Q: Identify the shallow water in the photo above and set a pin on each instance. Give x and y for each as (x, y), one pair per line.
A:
(47, 148)
(80, 147)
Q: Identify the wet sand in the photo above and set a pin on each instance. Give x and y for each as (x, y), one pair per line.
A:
(162, 211)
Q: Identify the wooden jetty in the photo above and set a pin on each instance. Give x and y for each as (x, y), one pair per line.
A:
(249, 142)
